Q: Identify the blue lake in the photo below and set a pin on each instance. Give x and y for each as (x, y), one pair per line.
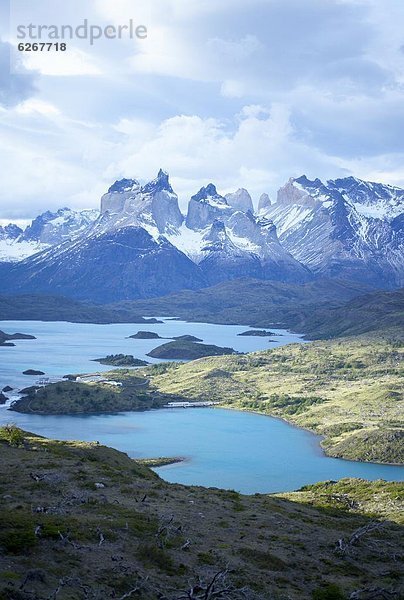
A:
(223, 448)
(62, 348)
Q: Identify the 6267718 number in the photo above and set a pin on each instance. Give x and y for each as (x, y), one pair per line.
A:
(41, 46)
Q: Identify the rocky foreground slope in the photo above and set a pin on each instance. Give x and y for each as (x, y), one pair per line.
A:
(86, 522)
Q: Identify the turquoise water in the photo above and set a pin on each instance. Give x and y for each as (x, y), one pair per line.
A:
(223, 448)
(243, 451)
(62, 348)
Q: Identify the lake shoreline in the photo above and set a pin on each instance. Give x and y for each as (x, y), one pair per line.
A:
(323, 452)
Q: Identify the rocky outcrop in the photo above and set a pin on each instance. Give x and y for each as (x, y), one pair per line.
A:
(153, 206)
(240, 200)
(206, 206)
(118, 194)
(264, 202)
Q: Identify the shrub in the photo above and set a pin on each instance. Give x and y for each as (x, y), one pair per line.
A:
(12, 434)
(156, 557)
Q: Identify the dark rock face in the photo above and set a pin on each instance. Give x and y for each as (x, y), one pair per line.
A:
(123, 185)
(33, 372)
(118, 265)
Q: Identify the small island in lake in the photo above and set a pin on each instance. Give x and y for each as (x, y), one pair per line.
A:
(6, 337)
(146, 335)
(121, 360)
(33, 372)
(257, 333)
(187, 338)
(183, 350)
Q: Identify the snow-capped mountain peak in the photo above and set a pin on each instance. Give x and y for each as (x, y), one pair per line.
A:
(346, 228)
(206, 206)
(153, 206)
(10, 231)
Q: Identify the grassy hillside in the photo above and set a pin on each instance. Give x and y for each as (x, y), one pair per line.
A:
(81, 521)
(348, 390)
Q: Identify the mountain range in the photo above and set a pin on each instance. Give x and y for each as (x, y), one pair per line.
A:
(140, 245)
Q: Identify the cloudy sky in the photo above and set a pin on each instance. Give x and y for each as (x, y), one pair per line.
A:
(243, 94)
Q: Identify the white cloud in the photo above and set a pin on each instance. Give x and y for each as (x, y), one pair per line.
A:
(244, 94)
(34, 105)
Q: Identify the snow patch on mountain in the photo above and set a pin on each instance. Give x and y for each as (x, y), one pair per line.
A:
(15, 250)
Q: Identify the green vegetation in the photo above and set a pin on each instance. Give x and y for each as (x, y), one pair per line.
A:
(329, 592)
(320, 309)
(349, 390)
(121, 360)
(11, 434)
(70, 397)
(379, 498)
(185, 350)
(80, 520)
